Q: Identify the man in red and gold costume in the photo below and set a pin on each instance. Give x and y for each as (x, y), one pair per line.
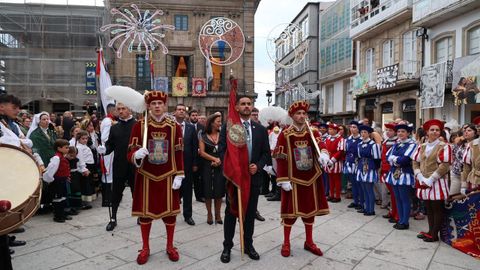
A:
(299, 175)
(335, 145)
(159, 172)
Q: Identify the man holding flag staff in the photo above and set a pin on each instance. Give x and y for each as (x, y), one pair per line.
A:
(244, 151)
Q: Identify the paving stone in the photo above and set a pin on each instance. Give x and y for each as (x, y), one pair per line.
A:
(373, 263)
(448, 255)
(95, 246)
(160, 261)
(46, 259)
(327, 263)
(44, 243)
(104, 261)
(404, 248)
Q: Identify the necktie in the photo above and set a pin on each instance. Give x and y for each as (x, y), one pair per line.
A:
(249, 140)
(183, 129)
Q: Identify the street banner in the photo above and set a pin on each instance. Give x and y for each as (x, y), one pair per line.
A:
(199, 87)
(387, 77)
(90, 78)
(432, 85)
(179, 86)
(161, 84)
(466, 76)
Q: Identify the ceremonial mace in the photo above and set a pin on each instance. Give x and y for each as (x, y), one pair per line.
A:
(317, 148)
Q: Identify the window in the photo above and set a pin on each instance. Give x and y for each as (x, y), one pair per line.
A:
(181, 22)
(304, 27)
(388, 51)
(143, 73)
(444, 49)
(370, 63)
(409, 53)
(329, 98)
(347, 93)
(473, 40)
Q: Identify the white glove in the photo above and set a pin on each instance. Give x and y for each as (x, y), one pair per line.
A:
(141, 153)
(330, 163)
(27, 142)
(177, 182)
(392, 159)
(323, 159)
(463, 191)
(286, 186)
(269, 170)
(429, 181)
(101, 149)
(421, 179)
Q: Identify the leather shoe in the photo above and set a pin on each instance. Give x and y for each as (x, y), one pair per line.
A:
(259, 217)
(142, 257)
(190, 221)
(313, 249)
(274, 198)
(59, 219)
(16, 243)
(352, 205)
(392, 220)
(399, 226)
(18, 230)
(285, 250)
(252, 253)
(225, 257)
(67, 217)
(173, 254)
(271, 194)
(111, 225)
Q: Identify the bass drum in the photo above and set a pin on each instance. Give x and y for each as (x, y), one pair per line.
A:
(20, 184)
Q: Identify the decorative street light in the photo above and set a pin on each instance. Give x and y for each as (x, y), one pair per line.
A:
(269, 97)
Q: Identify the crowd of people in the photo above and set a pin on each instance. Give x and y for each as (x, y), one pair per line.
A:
(411, 173)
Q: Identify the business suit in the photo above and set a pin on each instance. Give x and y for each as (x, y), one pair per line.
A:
(190, 159)
(259, 156)
(197, 177)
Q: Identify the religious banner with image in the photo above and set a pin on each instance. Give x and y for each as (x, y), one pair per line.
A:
(466, 76)
(432, 85)
(199, 87)
(387, 76)
(179, 86)
(161, 84)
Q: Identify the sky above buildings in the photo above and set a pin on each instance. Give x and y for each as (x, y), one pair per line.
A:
(270, 14)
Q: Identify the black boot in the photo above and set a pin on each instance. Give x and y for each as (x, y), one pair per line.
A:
(275, 197)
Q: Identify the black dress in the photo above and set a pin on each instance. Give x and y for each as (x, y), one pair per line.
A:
(213, 180)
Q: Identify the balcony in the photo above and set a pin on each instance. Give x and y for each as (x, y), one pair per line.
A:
(430, 12)
(375, 16)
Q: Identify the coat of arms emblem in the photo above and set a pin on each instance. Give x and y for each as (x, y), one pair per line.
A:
(303, 156)
(158, 148)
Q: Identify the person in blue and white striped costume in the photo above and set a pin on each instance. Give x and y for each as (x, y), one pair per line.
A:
(401, 175)
(350, 165)
(367, 171)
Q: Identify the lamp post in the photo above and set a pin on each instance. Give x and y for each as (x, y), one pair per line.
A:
(269, 97)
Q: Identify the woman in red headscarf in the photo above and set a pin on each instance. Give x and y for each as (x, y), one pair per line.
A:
(431, 164)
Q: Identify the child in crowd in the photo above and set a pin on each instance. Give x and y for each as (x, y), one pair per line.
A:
(75, 194)
(85, 156)
(58, 173)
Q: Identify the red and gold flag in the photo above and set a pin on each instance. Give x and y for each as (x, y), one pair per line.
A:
(235, 161)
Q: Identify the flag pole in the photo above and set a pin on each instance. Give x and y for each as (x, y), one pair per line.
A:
(145, 129)
(240, 220)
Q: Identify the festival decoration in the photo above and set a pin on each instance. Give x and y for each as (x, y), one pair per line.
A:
(215, 35)
(142, 30)
(179, 87)
(199, 87)
(280, 42)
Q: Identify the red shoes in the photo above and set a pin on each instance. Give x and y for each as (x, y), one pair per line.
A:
(143, 256)
(312, 248)
(173, 254)
(285, 250)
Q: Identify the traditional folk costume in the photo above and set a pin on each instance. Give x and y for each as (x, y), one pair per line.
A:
(400, 177)
(431, 164)
(350, 168)
(154, 195)
(324, 136)
(335, 145)
(385, 169)
(367, 172)
(470, 175)
(58, 173)
(298, 166)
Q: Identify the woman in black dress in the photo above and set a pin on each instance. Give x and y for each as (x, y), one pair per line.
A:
(213, 181)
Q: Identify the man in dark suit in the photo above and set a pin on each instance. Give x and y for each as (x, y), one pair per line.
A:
(197, 178)
(258, 156)
(190, 161)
